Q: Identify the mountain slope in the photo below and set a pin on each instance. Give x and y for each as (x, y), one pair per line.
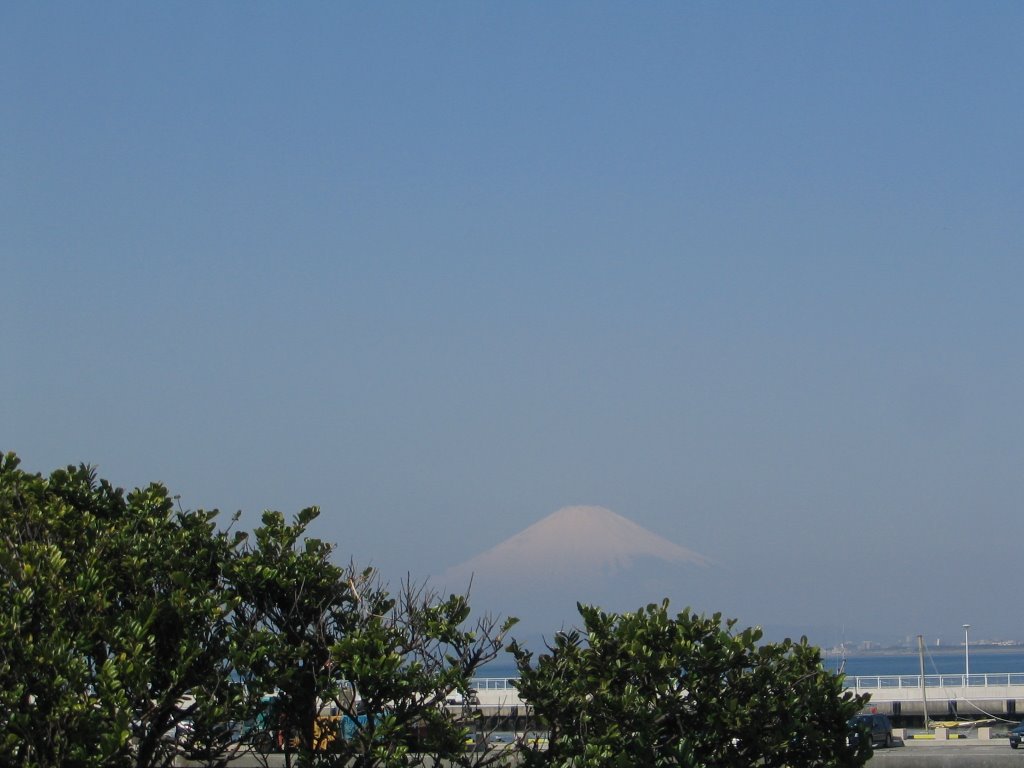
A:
(578, 541)
(579, 554)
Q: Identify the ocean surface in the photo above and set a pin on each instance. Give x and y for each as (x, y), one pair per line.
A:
(947, 661)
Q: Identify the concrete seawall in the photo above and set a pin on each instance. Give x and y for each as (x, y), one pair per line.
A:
(949, 697)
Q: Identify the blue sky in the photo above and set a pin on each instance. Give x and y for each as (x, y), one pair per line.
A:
(747, 274)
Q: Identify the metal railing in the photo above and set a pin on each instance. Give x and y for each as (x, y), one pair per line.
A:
(987, 680)
(858, 682)
(493, 683)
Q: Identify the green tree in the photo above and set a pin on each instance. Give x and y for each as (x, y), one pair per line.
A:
(132, 632)
(408, 655)
(47, 712)
(647, 688)
(294, 604)
(115, 622)
(354, 674)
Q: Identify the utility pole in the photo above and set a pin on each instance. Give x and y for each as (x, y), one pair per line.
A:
(967, 656)
(924, 695)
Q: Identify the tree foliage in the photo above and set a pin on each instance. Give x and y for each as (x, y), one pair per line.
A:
(360, 675)
(294, 604)
(115, 621)
(407, 657)
(647, 688)
(132, 632)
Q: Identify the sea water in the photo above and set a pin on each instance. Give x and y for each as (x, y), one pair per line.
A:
(945, 662)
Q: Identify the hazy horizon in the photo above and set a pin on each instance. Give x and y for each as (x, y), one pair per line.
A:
(748, 275)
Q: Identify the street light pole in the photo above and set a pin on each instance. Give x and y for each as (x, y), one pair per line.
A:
(967, 654)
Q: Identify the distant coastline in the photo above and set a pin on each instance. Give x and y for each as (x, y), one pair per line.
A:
(934, 650)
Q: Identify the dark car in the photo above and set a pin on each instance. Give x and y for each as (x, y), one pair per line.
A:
(1016, 736)
(874, 726)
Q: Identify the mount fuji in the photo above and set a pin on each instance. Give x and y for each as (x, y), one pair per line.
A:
(580, 553)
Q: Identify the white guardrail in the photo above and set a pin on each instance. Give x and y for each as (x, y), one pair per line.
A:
(493, 683)
(986, 680)
(858, 682)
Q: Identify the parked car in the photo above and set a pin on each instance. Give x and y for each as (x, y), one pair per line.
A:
(874, 726)
(1016, 736)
